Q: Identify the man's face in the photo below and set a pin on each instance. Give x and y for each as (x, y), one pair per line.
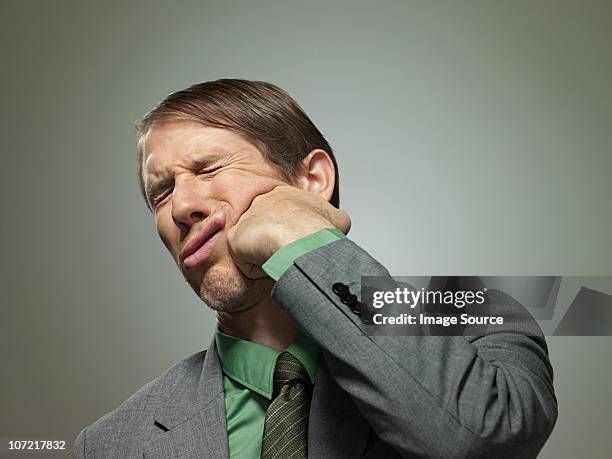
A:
(199, 180)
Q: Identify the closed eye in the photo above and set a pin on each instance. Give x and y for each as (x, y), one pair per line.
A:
(157, 201)
(158, 189)
(162, 194)
(210, 170)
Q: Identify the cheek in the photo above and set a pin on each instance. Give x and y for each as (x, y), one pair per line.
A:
(240, 188)
(165, 227)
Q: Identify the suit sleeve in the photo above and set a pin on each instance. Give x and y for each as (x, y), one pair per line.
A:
(78, 449)
(443, 396)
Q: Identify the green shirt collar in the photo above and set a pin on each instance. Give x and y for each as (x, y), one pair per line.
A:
(252, 364)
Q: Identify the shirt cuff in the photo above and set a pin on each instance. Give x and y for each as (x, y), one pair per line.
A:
(278, 263)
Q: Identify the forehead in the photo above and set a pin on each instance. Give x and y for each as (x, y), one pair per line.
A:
(184, 142)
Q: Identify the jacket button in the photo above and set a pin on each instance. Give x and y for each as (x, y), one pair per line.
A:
(356, 309)
(349, 299)
(340, 289)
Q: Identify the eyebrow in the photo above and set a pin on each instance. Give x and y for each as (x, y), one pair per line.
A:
(156, 188)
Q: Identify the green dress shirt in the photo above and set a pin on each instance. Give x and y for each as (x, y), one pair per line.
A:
(248, 371)
(248, 367)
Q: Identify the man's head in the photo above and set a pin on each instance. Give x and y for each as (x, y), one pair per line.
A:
(204, 154)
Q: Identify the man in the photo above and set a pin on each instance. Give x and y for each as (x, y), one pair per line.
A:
(244, 192)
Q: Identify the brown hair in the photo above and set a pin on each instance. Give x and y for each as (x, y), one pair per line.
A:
(261, 112)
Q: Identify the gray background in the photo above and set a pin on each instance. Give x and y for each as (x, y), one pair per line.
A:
(476, 132)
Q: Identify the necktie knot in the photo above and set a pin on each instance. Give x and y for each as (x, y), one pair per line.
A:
(288, 369)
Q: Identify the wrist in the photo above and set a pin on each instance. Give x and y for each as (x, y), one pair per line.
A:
(289, 235)
(283, 258)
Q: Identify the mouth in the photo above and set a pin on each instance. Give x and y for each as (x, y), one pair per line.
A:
(199, 249)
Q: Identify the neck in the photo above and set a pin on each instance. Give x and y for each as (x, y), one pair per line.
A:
(264, 323)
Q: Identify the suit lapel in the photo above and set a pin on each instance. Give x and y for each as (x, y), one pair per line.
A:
(336, 427)
(193, 414)
(194, 417)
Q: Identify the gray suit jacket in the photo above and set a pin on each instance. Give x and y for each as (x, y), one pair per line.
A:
(375, 396)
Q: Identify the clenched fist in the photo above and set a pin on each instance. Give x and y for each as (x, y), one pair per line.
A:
(277, 218)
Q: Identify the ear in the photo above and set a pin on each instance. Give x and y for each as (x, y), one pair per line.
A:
(317, 174)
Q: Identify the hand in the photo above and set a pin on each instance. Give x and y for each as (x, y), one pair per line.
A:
(277, 218)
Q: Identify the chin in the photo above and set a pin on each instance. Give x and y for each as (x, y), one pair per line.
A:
(224, 288)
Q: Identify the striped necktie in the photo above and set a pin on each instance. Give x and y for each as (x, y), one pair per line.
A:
(286, 424)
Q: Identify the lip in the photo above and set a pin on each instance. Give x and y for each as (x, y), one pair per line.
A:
(200, 247)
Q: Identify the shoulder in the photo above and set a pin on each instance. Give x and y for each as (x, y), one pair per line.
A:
(123, 430)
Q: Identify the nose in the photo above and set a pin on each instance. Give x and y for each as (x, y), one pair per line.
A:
(188, 204)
